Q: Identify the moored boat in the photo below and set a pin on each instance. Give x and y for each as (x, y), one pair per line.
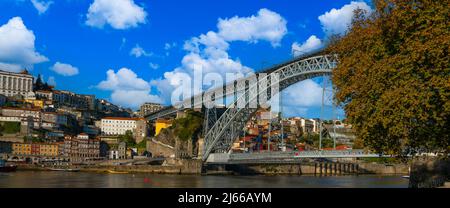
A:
(116, 172)
(7, 168)
(65, 169)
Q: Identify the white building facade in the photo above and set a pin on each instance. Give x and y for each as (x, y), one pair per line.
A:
(12, 84)
(118, 126)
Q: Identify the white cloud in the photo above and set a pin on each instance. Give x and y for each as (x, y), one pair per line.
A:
(133, 98)
(266, 25)
(153, 65)
(127, 88)
(17, 49)
(206, 52)
(124, 79)
(119, 14)
(337, 21)
(41, 6)
(64, 69)
(298, 98)
(138, 51)
(51, 81)
(312, 44)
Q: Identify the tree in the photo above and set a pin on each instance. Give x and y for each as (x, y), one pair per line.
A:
(128, 138)
(189, 126)
(38, 84)
(41, 85)
(393, 76)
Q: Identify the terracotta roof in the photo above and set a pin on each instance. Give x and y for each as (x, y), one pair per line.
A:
(24, 72)
(46, 91)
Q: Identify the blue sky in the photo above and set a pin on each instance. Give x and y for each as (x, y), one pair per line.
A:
(76, 42)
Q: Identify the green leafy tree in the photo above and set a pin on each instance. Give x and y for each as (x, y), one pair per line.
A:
(10, 127)
(128, 138)
(189, 126)
(393, 76)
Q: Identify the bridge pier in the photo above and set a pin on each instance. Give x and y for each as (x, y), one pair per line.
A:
(333, 168)
(330, 168)
(339, 168)
(320, 168)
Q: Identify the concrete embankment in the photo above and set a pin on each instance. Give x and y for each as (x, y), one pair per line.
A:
(171, 167)
(430, 173)
(174, 166)
(310, 169)
(181, 167)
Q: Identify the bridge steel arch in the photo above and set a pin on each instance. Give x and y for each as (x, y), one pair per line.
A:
(220, 137)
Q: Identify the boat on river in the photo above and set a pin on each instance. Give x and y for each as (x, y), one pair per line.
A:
(116, 172)
(65, 169)
(7, 168)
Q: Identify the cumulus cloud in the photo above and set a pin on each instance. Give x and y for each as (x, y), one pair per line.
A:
(119, 14)
(298, 98)
(127, 88)
(138, 51)
(312, 44)
(337, 21)
(64, 69)
(133, 98)
(124, 79)
(41, 6)
(266, 25)
(17, 46)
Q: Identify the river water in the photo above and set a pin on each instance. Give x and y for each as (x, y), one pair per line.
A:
(43, 179)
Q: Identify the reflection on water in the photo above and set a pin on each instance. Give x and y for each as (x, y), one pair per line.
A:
(32, 179)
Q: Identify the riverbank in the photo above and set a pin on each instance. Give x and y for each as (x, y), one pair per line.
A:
(195, 167)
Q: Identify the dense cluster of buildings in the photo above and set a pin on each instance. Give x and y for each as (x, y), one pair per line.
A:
(267, 130)
(43, 121)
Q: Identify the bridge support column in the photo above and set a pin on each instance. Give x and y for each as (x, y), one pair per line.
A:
(330, 168)
(357, 169)
(334, 168)
(321, 168)
(340, 168)
(315, 169)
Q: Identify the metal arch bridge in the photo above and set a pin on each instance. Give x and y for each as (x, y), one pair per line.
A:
(220, 133)
(227, 90)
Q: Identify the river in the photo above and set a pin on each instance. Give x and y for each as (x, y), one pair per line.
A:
(43, 179)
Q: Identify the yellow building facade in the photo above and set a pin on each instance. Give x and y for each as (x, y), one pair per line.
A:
(48, 149)
(35, 149)
(161, 124)
(35, 103)
(21, 149)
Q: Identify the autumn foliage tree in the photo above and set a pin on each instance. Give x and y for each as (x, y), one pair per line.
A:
(393, 76)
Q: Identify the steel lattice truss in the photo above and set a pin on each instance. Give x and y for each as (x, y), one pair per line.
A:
(220, 136)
